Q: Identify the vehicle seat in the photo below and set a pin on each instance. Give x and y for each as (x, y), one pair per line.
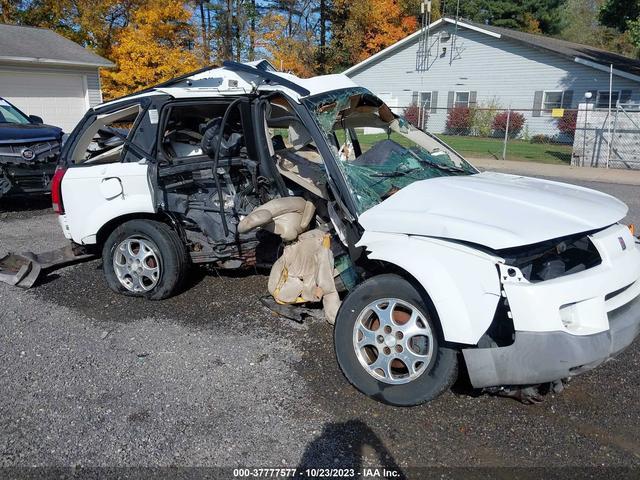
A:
(302, 163)
(287, 217)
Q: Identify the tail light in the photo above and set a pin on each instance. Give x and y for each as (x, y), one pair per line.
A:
(56, 190)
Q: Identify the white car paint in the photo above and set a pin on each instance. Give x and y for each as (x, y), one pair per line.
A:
(438, 230)
(91, 200)
(502, 211)
(220, 81)
(462, 282)
(493, 209)
(576, 303)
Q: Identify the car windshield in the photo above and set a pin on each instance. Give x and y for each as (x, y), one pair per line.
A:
(10, 114)
(379, 152)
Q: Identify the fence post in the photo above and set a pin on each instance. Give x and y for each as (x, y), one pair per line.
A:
(584, 135)
(612, 136)
(506, 135)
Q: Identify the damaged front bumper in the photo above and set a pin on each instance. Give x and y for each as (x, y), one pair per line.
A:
(27, 168)
(568, 325)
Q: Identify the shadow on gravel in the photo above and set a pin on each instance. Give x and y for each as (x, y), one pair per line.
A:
(344, 445)
(25, 203)
(462, 385)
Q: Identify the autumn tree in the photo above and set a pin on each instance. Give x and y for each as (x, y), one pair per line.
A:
(156, 45)
(93, 24)
(361, 28)
(9, 11)
(289, 51)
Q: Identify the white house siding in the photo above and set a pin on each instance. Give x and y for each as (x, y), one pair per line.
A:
(494, 68)
(31, 94)
(95, 90)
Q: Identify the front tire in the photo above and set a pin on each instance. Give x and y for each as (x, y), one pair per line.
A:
(389, 345)
(144, 258)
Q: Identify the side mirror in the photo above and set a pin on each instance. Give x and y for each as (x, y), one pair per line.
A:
(36, 119)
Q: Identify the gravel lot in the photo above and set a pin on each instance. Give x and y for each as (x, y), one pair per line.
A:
(210, 378)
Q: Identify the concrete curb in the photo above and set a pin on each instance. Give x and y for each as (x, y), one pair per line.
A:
(587, 174)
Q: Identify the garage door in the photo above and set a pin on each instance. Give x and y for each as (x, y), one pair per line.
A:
(60, 99)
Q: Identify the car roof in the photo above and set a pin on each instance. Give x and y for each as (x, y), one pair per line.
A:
(235, 79)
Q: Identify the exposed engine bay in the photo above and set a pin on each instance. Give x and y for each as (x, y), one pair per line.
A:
(553, 258)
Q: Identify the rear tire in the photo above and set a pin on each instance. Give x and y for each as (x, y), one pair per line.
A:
(145, 258)
(389, 343)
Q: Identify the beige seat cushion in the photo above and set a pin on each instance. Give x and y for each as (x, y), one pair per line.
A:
(287, 217)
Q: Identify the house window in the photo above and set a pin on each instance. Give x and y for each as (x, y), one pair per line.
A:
(461, 99)
(425, 100)
(551, 100)
(603, 99)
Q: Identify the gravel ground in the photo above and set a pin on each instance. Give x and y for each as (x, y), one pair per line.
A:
(210, 378)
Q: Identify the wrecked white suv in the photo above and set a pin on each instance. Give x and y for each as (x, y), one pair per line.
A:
(527, 281)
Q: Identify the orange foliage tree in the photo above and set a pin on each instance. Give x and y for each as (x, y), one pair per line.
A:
(155, 46)
(290, 52)
(362, 28)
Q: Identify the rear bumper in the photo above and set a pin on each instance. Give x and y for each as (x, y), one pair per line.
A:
(538, 357)
(567, 325)
(64, 225)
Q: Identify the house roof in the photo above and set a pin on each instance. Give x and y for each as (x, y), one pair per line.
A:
(590, 56)
(22, 44)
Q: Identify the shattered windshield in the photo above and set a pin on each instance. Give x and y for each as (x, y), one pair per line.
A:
(379, 152)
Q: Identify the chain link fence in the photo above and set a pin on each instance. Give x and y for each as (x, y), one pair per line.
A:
(607, 139)
(584, 136)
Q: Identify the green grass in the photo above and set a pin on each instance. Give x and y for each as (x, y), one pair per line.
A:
(481, 147)
(518, 150)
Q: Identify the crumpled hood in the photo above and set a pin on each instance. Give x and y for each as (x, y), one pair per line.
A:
(493, 209)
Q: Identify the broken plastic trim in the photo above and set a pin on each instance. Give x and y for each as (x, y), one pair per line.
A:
(553, 258)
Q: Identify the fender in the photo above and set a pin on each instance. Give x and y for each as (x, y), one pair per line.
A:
(89, 204)
(462, 282)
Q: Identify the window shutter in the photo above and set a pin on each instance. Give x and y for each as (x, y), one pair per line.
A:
(434, 102)
(537, 103)
(567, 99)
(625, 96)
(450, 100)
(414, 98)
(473, 96)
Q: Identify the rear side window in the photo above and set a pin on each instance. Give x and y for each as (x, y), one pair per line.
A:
(103, 141)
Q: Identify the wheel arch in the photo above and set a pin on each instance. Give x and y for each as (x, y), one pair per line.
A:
(462, 284)
(106, 229)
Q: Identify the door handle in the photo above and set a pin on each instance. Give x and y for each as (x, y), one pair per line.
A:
(111, 188)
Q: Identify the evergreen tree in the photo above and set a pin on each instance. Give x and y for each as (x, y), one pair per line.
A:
(537, 16)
